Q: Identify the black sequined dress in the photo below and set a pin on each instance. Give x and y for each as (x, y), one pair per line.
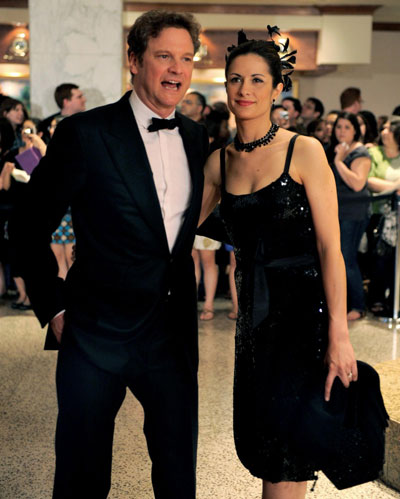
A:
(282, 328)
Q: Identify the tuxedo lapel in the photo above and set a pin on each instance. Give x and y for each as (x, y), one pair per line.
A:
(126, 148)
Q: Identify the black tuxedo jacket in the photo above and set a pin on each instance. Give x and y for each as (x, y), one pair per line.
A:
(125, 287)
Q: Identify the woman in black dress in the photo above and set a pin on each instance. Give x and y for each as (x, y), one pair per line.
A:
(279, 207)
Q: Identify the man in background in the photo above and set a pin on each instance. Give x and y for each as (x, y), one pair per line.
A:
(312, 110)
(350, 100)
(193, 106)
(70, 99)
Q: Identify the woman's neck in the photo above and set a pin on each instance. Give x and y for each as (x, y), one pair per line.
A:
(391, 150)
(251, 130)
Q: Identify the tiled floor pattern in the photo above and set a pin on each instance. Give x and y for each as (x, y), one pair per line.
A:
(28, 415)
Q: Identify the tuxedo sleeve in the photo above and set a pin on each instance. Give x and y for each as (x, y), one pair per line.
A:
(55, 182)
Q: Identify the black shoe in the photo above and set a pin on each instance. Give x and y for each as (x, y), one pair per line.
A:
(22, 306)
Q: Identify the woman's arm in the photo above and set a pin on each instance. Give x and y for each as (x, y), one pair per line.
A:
(212, 183)
(355, 176)
(6, 175)
(316, 175)
(376, 184)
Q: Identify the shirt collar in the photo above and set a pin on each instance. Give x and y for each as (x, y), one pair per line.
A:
(143, 114)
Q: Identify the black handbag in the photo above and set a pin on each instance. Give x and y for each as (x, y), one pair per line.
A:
(345, 437)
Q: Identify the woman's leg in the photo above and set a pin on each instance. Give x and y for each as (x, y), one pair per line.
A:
(232, 286)
(197, 268)
(59, 253)
(284, 490)
(69, 248)
(350, 237)
(210, 276)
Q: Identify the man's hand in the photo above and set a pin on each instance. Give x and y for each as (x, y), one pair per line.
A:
(57, 325)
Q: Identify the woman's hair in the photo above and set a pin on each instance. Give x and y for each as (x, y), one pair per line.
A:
(395, 129)
(372, 126)
(263, 49)
(8, 104)
(7, 136)
(368, 136)
(343, 115)
(313, 125)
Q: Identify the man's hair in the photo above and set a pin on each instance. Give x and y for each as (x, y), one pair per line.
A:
(201, 99)
(64, 91)
(396, 111)
(296, 103)
(318, 106)
(151, 23)
(349, 96)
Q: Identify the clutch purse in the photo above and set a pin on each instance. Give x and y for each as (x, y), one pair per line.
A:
(345, 437)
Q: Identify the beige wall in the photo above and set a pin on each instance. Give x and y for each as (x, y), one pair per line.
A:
(379, 81)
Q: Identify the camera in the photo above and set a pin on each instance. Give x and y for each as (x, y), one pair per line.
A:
(27, 131)
(284, 115)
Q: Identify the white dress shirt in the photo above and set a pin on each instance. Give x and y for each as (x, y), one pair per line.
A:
(170, 168)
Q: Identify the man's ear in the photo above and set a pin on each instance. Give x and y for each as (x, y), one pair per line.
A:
(133, 63)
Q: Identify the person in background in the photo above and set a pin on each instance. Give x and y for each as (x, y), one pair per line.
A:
(381, 120)
(280, 116)
(70, 99)
(350, 100)
(385, 176)
(14, 179)
(330, 120)
(312, 110)
(370, 118)
(294, 108)
(15, 112)
(317, 129)
(367, 136)
(351, 163)
(193, 106)
(63, 239)
(396, 111)
(204, 248)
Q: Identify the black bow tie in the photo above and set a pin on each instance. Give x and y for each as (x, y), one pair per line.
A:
(159, 124)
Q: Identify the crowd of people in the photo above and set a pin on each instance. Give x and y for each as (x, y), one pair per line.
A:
(362, 149)
(355, 142)
(23, 141)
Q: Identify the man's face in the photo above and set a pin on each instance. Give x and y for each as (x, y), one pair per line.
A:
(191, 107)
(76, 104)
(308, 112)
(163, 77)
(288, 105)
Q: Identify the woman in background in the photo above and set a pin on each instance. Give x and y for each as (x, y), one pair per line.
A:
(350, 162)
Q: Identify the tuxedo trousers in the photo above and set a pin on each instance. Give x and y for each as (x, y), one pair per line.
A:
(89, 399)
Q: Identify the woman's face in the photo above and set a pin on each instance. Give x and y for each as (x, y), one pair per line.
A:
(320, 131)
(249, 87)
(28, 128)
(387, 135)
(345, 131)
(363, 127)
(330, 122)
(16, 115)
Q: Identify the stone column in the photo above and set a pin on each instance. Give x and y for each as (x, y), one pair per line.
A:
(75, 41)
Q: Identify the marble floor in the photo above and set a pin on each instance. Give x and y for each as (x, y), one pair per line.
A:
(28, 415)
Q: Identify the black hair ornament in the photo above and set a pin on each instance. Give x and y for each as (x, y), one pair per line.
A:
(287, 60)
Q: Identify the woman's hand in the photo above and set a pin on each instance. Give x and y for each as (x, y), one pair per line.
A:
(341, 362)
(37, 142)
(341, 151)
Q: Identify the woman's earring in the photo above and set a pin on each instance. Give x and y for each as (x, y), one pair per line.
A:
(273, 101)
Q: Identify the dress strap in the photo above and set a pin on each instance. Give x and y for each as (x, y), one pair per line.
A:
(289, 153)
(222, 166)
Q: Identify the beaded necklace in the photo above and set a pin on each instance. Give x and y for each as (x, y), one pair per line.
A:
(250, 146)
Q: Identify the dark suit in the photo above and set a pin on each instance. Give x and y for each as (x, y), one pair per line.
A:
(131, 317)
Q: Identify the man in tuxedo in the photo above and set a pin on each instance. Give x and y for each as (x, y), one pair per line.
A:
(126, 315)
